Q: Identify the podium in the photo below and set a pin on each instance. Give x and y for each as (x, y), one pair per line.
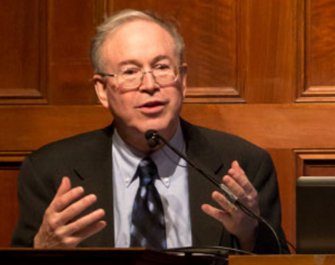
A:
(283, 260)
(140, 256)
(97, 256)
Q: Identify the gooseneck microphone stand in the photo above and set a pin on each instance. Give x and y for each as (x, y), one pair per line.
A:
(154, 139)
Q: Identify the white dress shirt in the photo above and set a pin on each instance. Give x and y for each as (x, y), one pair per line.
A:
(172, 187)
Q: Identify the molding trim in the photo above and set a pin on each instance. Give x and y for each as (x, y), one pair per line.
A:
(304, 156)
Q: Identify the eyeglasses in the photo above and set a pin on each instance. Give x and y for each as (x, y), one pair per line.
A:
(132, 77)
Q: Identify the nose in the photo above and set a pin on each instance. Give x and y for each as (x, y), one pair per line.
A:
(148, 82)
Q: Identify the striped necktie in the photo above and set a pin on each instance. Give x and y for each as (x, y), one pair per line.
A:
(147, 227)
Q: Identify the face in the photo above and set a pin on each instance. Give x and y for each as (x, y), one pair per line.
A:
(143, 45)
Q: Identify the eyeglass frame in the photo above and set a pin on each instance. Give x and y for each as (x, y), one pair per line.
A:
(144, 72)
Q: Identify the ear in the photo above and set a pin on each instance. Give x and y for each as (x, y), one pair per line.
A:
(101, 90)
(183, 76)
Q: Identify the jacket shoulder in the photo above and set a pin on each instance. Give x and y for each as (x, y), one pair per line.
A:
(73, 146)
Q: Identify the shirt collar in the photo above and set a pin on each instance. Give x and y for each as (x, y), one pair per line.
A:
(128, 157)
(165, 159)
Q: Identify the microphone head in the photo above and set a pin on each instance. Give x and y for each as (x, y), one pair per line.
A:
(151, 136)
(150, 133)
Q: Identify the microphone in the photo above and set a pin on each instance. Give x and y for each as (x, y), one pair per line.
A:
(153, 139)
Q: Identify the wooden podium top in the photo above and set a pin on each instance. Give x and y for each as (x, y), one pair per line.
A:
(283, 260)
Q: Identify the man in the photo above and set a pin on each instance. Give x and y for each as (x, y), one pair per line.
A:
(140, 76)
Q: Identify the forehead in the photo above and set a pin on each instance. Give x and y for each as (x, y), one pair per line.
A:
(138, 40)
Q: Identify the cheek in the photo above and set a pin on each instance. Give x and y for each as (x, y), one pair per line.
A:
(120, 105)
(114, 103)
(177, 98)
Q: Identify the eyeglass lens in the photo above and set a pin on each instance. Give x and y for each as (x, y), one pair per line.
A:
(133, 77)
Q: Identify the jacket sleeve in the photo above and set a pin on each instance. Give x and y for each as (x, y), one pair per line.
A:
(34, 197)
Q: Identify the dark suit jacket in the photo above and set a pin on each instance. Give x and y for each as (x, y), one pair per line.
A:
(86, 159)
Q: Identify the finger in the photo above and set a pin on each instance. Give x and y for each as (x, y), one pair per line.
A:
(94, 228)
(91, 230)
(225, 204)
(234, 187)
(217, 214)
(240, 177)
(76, 208)
(236, 171)
(81, 226)
(63, 200)
(64, 186)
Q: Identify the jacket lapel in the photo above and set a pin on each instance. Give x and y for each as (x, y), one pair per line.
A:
(204, 228)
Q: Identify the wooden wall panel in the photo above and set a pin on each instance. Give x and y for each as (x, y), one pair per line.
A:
(318, 84)
(9, 169)
(269, 126)
(284, 161)
(22, 52)
(8, 202)
(321, 42)
(70, 29)
(269, 43)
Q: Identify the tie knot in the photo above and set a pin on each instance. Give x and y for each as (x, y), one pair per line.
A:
(147, 171)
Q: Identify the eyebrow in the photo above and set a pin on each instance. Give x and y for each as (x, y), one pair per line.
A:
(159, 58)
(155, 60)
(129, 62)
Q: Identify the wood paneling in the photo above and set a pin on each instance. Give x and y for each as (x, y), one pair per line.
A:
(9, 169)
(320, 168)
(70, 28)
(284, 161)
(269, 45)
(314, 162)
(269, 55)
(321, 43)
(22, 52)
(8, 202)
(270, 126)
(319, 78)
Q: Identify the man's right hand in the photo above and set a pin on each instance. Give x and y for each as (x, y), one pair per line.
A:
(60, 228)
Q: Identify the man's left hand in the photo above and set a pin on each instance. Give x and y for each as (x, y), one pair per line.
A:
(234, 219)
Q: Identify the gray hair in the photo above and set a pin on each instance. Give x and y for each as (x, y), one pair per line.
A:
(114, 22)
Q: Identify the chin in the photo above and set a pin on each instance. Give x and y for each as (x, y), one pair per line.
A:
(164, 127)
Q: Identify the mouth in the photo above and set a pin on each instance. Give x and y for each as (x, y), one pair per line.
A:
(152, 107)
(152, 104)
